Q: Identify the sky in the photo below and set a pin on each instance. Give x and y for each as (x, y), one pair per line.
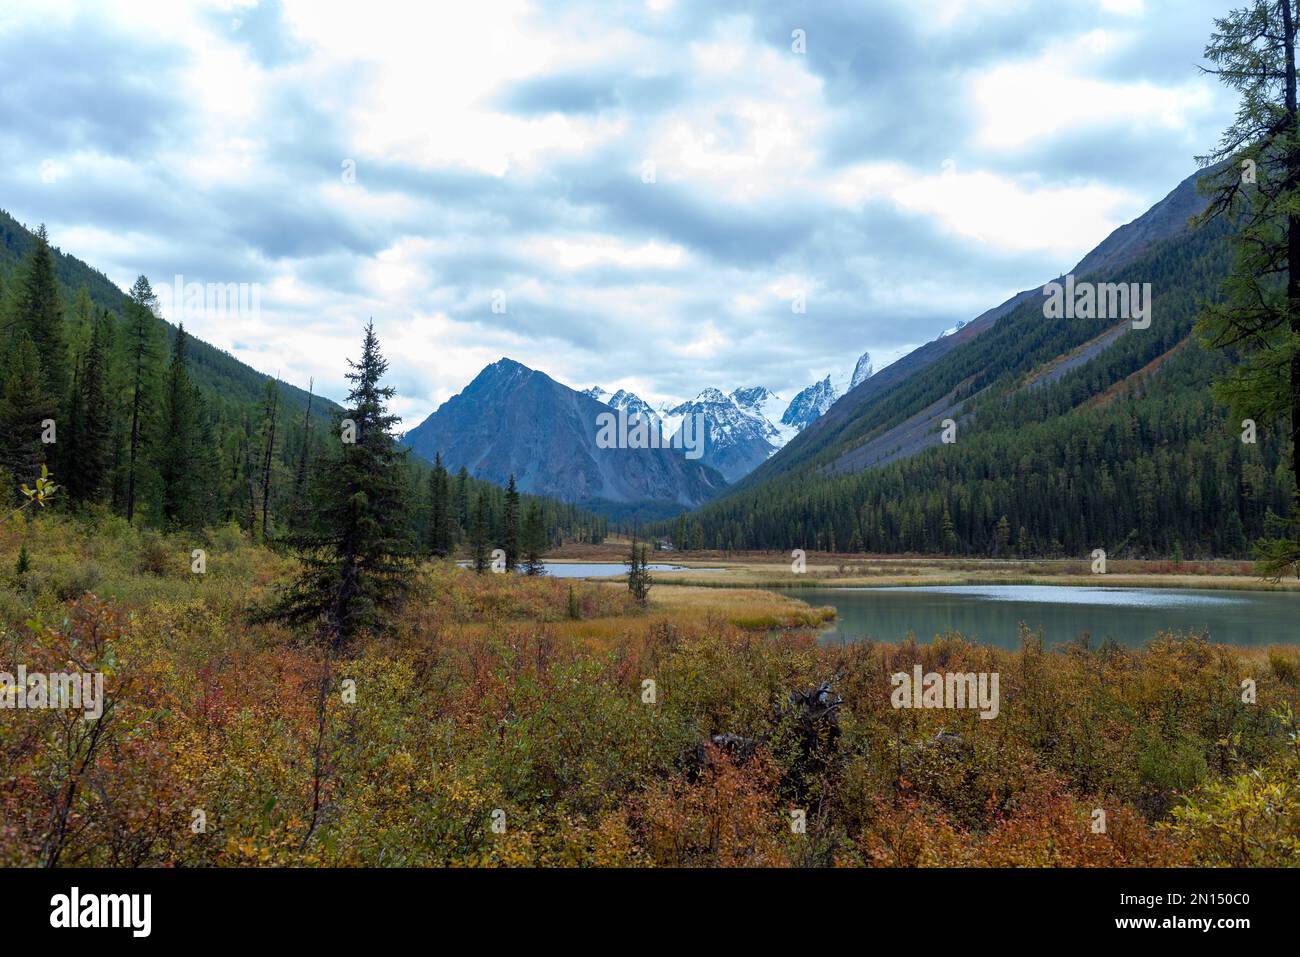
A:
(660, 196)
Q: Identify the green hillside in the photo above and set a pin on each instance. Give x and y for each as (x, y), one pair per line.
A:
(1071, 435)
(215, 371)
(171, 432)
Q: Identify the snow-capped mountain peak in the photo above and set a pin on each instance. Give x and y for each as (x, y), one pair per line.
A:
(809, 404)
(711, 396)
(633, 403)
(862, 371)
(744, 428)
(622, 399)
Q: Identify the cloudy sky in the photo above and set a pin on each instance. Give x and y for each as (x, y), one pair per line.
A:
(644, 187)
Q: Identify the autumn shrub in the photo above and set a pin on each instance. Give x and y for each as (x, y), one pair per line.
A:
(485, 726)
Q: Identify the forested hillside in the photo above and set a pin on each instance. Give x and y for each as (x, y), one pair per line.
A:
(135, 416)
(1125, 451)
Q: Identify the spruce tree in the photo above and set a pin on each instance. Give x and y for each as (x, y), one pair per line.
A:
(356, 553)
(510, 531)
(440, 534)
(300, 474)
(535, 539)
(266, 451)
(638, 575)
(142, 354)
(23, 407)
(478, 534)
(39, 315)
(178, 442)
(462, 500)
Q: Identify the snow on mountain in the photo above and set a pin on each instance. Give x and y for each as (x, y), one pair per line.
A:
(813, 401)
(634, 404)
(750, 424)
(862, 371)
(809, 404)
(736, 440)
(766, 405)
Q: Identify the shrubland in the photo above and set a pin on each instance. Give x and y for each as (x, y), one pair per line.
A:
(495, 720)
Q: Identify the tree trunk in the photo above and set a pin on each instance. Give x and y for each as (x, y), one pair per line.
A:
(1292, 236)
(266, 466)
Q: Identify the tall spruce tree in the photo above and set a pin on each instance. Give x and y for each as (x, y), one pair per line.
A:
(1257, 189)
(142, 354)
(39, 315)
(356, 554)
(23, 407)
(510, 530)
(178, 442)
(478, 534)
(638, 573)
(462, 502)
(266, 453)
(535, 539)
(304, 453)
(441, 535)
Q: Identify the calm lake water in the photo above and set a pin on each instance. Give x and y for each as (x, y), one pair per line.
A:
(993, 613)
(601, 569)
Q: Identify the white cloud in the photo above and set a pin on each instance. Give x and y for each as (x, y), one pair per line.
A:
(684, 284)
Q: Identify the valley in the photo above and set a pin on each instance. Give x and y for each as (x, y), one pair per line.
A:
(648, 436)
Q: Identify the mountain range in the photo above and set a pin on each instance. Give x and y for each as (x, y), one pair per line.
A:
(1062, 435)
(514, 420)
(1069, 433)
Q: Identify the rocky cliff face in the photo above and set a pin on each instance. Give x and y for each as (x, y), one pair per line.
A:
(515, 420)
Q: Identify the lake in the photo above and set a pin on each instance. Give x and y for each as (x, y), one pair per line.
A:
(993, 613)
(602, 569)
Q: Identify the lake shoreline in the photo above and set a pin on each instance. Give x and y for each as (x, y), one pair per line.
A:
(1208, 582)
(998, 613)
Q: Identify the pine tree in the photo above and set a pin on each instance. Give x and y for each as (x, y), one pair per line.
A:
(142, 354)
(478, 534)
(1002, 537)
(266, 454)
(462, 501)
(82, 326)
(535, 540)
(39, 314)
(357, 551)
(23, 408)
(638, 575)
(1257, 188)
(207, 466)
(510, 532)
(178, 442)
(950, 543)
(300, 475)
(440, 536)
